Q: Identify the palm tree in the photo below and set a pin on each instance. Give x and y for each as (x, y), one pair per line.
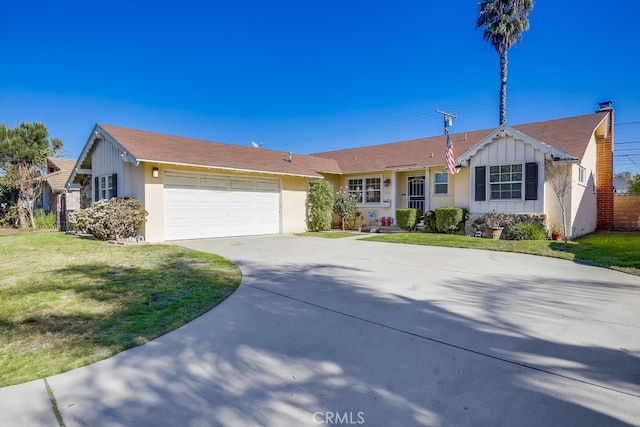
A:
(503, 22)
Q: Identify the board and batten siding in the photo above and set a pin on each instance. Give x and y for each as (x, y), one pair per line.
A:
(106, 160)
(502, 151)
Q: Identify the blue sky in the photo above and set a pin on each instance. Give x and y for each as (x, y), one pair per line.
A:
(310, 76)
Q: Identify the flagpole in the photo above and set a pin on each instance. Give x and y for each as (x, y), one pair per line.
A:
(450, 157)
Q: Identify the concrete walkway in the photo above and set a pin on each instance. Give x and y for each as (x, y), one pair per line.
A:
(349, 332)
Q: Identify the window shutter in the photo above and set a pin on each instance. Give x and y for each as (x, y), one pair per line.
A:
(114, 188)
(96, 188)
(481, 184)
(531, 181)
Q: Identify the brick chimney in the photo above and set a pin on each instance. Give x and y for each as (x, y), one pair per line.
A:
(604, 172)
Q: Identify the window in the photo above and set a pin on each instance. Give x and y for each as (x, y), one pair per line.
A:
(355, 189)
(106, 186)
(582, 175)
(365, 190)
(506, 181)
(441, 185)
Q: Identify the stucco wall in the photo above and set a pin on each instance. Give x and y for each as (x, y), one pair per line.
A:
(293, 204)
(584, 203)
(371, 213)
(440, 200)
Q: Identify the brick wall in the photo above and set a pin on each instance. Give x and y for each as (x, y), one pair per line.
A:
(604, 175)
(626, 210)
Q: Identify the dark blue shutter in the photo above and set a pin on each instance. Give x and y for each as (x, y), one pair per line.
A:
(96, 188)
(481, 184)
(114, 185)
(531, 181)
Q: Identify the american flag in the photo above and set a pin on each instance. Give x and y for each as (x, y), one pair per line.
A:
(451, 164)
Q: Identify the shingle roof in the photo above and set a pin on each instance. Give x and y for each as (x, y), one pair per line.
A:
(58, 179)
(155, 147)
(569, 134)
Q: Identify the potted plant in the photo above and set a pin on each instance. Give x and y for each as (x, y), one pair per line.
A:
(493, 225)
(555, 232)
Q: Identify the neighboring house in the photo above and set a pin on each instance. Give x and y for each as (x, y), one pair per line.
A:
(55, 196)
(620, 186)
(195, 189)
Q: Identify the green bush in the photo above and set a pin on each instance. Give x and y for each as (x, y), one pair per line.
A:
(9, 216)
(320, 206)
(526, 231)
(449, 220)
(408, 219)
(117, 218)
(44, 220)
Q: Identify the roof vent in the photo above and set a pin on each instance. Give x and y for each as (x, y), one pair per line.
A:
(290, 155)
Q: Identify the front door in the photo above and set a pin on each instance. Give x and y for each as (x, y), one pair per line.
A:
(416, 192)
(62, 212)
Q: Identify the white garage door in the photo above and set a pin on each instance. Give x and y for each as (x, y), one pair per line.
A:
(201, 205)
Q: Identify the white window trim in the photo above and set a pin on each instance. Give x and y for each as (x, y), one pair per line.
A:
(435, 183)
(582, 171)
(522, 182)
(363, 190)
(106, 188)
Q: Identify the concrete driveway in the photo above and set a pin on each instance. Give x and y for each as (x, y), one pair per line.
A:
(349, 332)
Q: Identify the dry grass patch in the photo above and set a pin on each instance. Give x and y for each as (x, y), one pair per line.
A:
(66, 301)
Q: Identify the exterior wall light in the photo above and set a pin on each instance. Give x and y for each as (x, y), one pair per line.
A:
(387, 182)
(155, 172)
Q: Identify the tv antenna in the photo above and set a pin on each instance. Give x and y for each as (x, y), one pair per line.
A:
(256, 144)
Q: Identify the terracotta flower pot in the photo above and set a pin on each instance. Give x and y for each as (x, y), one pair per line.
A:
(493, 232)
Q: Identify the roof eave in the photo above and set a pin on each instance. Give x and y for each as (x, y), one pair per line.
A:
(98, 134)
(506, 130)
(228, 168)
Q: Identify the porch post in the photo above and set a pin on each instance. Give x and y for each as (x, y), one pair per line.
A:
(394, 193)
(427, 191)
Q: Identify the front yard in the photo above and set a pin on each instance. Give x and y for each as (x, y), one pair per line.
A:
(66, 301)
(618, 251)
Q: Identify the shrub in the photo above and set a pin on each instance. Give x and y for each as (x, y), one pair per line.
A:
(407, 219)
(117, 218)
(449, 220)
(527, 231)
(9, 216)
(430, 222)
(44, 220)
(320, 206)
(345, 206)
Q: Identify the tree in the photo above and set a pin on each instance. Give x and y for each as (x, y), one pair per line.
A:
(23, 159)
(626, 175)
(320, 206)
(560, 178)
(503, 22)
(345, 206)
(634, 183)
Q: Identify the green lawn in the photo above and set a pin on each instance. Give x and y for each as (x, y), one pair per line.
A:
(66, 301)
(619, 251)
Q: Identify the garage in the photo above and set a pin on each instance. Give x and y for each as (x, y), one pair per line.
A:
(206, 205)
